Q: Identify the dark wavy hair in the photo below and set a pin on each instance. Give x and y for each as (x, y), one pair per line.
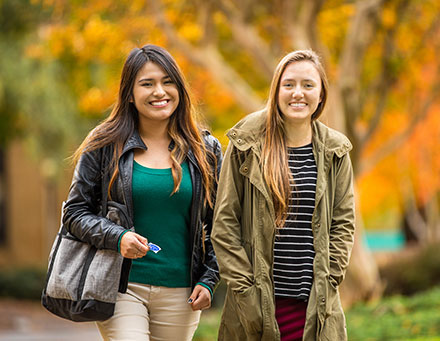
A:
(124, 120)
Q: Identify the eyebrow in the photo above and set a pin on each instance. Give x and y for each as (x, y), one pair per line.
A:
(303, 80)
(151, 79)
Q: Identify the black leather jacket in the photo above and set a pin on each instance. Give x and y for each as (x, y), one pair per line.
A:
(82, 217)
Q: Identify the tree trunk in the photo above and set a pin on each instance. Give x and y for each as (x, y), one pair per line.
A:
(3, 221)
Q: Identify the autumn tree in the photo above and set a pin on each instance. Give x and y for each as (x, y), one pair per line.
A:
(380, 56)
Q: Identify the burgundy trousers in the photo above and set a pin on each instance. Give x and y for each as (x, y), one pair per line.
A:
(291, 317)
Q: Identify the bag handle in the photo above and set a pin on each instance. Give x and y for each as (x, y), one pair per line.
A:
(104, 186)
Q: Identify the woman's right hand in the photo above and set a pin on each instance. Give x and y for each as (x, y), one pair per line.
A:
(133, 245)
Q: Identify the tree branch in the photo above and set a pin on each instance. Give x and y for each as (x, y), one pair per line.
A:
(361, 33)
(301, 23)
(387, 79)
(247, 37)
(209, 58)
(395, 142)
(204, 16)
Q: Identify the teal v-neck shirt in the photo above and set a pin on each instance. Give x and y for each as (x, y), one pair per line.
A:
(164, 220)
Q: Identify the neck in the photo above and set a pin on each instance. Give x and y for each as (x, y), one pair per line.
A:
(154, 131)
(298, 134)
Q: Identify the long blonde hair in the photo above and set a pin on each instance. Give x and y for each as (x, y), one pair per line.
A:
(274, 156)
(124, 120)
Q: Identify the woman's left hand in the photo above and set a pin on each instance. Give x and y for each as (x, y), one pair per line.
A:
(200, 298)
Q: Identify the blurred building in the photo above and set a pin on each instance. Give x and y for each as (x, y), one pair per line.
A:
(29, 208)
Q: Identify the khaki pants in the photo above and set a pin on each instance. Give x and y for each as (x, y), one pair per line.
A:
(148, 312)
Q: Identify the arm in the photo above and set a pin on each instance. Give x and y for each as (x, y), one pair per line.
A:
(235, 267)
(81, 210)
(210, 274)
(343, 221)
(202, 294)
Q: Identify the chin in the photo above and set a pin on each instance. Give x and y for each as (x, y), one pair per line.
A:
(299, 116)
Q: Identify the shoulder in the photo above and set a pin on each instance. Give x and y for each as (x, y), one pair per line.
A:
(331, 139)
(248, 131)
(214, 148)
(211, 142)
(251, 122)
(92, 146)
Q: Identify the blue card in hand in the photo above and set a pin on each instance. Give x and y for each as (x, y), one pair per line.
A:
(153, 247)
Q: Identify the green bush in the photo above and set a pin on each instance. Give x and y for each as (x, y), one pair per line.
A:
(408, 276)
(396, 318)
(24, 283)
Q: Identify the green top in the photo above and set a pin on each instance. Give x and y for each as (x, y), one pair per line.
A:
(164, 220)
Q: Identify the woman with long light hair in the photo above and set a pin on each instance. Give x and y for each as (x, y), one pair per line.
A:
(151, 157)
(284, 217)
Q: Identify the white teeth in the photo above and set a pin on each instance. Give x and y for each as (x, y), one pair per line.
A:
(297, 105)
(159, 103)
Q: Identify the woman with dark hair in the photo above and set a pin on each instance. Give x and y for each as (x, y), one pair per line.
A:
(284, 217)
(162, 170)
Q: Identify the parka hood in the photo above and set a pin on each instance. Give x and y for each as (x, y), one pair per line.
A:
(248, 133)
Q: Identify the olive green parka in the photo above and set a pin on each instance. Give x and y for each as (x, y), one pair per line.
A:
(244, 233)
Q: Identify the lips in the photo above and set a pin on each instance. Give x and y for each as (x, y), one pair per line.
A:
(159, 104)
(297, 104)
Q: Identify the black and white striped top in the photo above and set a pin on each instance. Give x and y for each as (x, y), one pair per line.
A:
(294, 251)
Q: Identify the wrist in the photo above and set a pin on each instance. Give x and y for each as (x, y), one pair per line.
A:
(119, 240)
(207, 287)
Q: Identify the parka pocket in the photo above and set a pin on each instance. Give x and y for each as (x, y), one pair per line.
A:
(332, 296)
(334, 327)
(249, 309)
(249, 251)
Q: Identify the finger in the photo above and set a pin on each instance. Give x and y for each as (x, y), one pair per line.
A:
(193, 297)
(140, 244)
(142, 249)
(201, 304)
(142, 239)
(202, 301)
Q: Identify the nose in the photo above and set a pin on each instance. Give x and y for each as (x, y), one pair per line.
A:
(158, 91)
(297, 92)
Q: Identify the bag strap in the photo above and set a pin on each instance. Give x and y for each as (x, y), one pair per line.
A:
(104, 185)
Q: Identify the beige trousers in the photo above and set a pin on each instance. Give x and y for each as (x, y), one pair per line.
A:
(148, 312)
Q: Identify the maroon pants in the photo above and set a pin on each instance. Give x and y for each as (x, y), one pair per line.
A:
(291, 317)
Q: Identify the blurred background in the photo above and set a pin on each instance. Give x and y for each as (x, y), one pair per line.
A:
(60, 63)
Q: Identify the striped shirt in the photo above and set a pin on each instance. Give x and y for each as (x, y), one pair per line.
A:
(293, 250)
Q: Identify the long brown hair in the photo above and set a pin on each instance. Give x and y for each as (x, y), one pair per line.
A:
(274, 157)
(123, 121)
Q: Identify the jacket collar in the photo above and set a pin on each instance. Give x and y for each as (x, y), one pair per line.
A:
(135, 141)
(248, 133)
(329, 140)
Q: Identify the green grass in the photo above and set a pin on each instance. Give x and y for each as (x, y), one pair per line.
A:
(209, 324)
(396, 318)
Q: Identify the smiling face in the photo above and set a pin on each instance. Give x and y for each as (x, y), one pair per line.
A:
(155, 95)
(299, 91)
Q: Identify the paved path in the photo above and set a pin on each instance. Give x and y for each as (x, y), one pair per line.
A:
(29, 321)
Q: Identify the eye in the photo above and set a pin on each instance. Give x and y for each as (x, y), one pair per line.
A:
(147, 84)
(308, 85)
(288, 85)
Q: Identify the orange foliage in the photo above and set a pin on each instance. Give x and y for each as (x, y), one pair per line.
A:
(422, 151)
(94, 37)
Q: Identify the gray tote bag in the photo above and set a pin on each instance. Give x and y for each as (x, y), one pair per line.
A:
(82, 281)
